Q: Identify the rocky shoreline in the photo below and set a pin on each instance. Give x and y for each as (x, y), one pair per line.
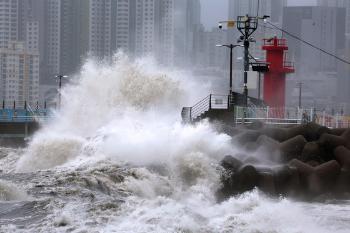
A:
(305, 161)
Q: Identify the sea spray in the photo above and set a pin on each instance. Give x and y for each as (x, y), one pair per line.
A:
(132, 106)
(119, 159)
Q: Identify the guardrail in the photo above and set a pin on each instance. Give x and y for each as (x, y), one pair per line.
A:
(210, 102)
(23, 115)
(289, 116)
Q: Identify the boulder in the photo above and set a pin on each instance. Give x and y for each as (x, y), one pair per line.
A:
(293, 147)
(323, 178)
(329, 142)
(269, 144)
(247, 178)
(311, 152)
(311, 131)
(304, 170)
(246, 136)
(342, 155)
(278, 134)
(251, 146)
(266, 182)
(337, 131)
(286, 180)
(231, 163)
(342, 184)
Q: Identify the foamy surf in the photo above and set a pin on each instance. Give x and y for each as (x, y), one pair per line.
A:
(116, 158)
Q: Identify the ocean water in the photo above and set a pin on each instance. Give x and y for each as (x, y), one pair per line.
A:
(116, 158)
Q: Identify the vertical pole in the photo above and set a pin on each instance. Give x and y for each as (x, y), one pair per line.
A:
(228, 101)
(25, 105)
(300, 86)
(324, 118)
(246, 69)
(231, 55)
(336, 121)
(3, 104)
(59, 90)
(267, 113)
(209, 101)
(190, 114)
(259, 86)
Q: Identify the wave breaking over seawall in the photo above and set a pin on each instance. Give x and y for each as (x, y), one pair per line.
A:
(116, 158)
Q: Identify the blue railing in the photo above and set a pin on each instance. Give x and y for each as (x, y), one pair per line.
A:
(23, 115)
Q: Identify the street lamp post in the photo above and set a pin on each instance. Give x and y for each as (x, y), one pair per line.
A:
(59, 77)
(230, 46)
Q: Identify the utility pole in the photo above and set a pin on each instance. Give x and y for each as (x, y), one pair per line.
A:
(59, 77)
(247, 26)
(300, 84)
(231, 47)
(259, 86)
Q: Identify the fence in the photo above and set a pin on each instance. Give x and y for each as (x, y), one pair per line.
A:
(210, 102)
(289, 116)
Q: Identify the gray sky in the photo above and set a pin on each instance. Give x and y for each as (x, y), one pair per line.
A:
(302, 2)
(216, 10)
(213, 11)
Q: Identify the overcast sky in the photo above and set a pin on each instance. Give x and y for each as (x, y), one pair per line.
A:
(213, 11)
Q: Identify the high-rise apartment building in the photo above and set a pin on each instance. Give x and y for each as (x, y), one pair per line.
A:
(187, 26)
(74, 39)
(19, 74)
(8, 22)
(321, 26)
(123, 25)
(154, 29)
(102, 24)
(324, 27)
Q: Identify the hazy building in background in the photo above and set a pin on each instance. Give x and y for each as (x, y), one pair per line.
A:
(19, 54)
(102, 24)
(8, 22)
(74, 36)
(323, 27)
(154, 29)
(19, 74)
(187, 28)
(272, 8)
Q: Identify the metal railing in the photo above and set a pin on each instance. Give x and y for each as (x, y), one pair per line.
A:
(210, 102)
(24, 115)
(273, 42)
(289, 116)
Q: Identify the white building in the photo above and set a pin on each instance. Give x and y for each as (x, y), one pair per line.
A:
(100, 27)
(19, 74)
(53, 35)
(154, 29)
(8, 21)
(123, 21)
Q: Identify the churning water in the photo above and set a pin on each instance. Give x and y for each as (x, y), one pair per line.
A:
(116, 158)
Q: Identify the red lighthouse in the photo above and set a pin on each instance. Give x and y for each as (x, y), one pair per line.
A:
(275, 78)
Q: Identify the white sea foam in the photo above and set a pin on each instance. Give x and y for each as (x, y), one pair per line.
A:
(129, 112)
(10, 192)
(132, 109)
